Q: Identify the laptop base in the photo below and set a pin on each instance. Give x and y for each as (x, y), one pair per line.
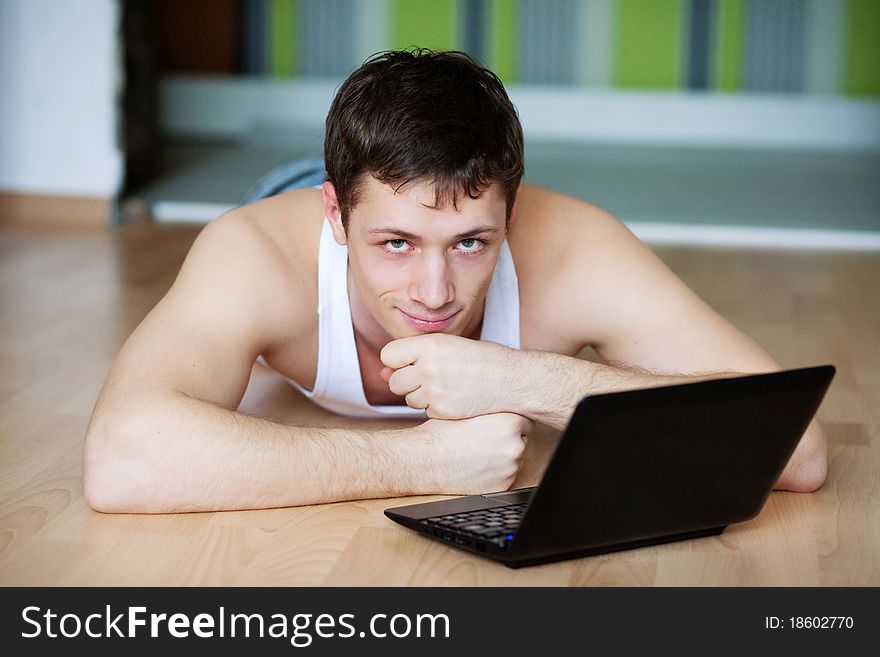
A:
(615, 547)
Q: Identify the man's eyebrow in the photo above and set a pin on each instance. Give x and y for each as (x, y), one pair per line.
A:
(478, 230)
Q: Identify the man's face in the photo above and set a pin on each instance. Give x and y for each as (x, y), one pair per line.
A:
(416, 269)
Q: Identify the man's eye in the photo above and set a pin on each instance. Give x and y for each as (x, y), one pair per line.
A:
(470, 244)
(396, 245)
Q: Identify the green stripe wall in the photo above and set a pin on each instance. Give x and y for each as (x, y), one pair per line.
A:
(282, 38)
(504, 39)
(647, 44)
(861, 76)
(730, 53)
(428, 24)
(647, 62)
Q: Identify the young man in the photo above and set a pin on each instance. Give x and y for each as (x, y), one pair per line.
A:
(444, 290)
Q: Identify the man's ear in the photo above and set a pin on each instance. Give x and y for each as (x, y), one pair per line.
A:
(333, 213)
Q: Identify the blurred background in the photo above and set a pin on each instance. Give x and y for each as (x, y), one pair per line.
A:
(750, 122)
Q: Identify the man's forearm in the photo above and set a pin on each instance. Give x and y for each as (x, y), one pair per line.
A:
(194, 456)
(549, 386)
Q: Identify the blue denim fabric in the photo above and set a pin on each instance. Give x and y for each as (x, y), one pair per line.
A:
(290, 175)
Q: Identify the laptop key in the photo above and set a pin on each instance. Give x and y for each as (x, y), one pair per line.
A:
(486, 532)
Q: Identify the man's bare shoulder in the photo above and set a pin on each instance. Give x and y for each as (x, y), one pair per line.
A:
(545, 222)
(272, 246)
(568, 254)
(289, 224)
(603, 287)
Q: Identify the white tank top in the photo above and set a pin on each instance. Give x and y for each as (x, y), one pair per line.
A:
(338, 385)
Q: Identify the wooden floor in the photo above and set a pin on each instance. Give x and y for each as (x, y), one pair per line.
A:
(68, 299)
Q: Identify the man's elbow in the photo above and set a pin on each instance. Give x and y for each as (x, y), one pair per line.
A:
(104, 492)
(99, 495)
(112, 482)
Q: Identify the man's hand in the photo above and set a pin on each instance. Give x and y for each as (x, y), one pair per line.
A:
(472, 456)
(449, 376)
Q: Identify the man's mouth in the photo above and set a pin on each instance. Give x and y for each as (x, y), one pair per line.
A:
(428, 324)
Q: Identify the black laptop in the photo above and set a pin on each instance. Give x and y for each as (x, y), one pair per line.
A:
(639, 468)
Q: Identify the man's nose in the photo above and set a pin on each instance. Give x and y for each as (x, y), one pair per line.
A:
(432, 286)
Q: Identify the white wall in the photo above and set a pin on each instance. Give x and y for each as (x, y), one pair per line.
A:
(58, 84)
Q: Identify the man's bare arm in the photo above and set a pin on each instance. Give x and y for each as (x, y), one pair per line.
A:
(546, 387)
(184, 454)
(194, 456)
(551, 385)
(652, 330)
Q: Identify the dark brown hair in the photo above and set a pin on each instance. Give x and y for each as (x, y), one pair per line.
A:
(414, 115)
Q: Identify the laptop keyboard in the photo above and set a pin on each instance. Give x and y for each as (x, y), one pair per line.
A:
(496, 525)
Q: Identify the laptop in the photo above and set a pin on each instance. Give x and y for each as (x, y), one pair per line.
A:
(640, 467)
